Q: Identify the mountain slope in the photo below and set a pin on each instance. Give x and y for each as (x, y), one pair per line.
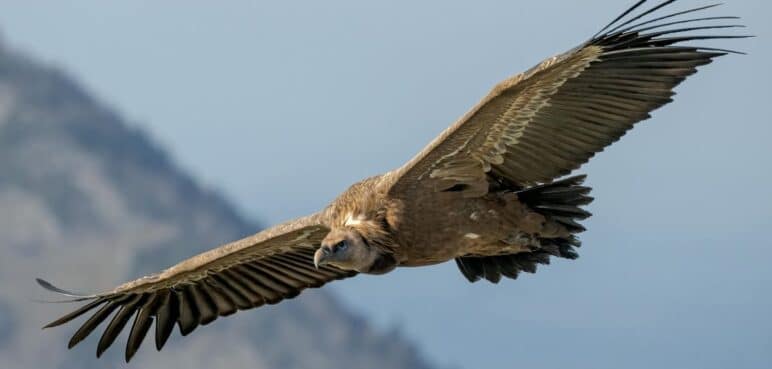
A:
(86, 200)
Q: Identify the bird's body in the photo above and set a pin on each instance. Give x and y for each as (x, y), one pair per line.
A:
(487, 192)
(494, 224)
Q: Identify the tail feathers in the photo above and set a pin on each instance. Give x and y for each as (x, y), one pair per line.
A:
(492, 268)
(561, 247)
(561, 202)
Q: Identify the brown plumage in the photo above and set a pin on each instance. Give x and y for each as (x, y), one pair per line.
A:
(484, 193)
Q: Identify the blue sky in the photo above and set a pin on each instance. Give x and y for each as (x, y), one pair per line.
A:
(281, 106)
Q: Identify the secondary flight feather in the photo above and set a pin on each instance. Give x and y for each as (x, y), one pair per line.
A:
(487, 192)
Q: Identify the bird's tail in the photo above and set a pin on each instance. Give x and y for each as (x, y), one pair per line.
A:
(560, 202)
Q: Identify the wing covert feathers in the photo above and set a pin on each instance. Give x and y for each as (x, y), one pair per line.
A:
(548, 121)
(272, 266)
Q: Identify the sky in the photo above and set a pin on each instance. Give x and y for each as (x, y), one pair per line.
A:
(282, 105)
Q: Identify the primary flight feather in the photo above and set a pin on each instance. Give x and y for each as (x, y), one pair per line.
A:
(485, 193)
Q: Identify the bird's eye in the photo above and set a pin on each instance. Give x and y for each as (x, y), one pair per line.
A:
(342, 245)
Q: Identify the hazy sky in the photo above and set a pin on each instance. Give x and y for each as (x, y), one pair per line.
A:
(282, 105)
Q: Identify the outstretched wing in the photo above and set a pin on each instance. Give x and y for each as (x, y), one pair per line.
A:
(546, 122)
(265, 268)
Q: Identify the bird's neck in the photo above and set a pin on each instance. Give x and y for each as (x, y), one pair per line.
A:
(384, 263)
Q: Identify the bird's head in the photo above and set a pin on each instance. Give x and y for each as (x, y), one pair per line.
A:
(346, 248)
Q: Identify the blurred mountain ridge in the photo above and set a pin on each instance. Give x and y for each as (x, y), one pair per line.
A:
(88, 201)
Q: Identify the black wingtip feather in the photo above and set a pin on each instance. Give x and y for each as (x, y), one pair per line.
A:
(94, 321)
(50, 287)
(652, 10)
(624, 14)
(638, 27)
(80, 311)
(117, 323)
(650, 21)
(188, 312)
(166, 317)
(140, 327)
(625, 33)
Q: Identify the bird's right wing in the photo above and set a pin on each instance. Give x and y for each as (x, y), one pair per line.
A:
(265, 268)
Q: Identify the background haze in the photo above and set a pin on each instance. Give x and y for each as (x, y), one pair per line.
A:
(281, 106)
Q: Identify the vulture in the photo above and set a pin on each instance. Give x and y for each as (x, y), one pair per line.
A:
(489, 192)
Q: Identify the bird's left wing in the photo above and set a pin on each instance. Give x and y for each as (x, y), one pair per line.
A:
(265, 268)
(546, 122)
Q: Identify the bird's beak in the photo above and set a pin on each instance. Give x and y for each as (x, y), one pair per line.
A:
(320, 256)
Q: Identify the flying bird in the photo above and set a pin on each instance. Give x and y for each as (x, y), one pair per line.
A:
(489, 192)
